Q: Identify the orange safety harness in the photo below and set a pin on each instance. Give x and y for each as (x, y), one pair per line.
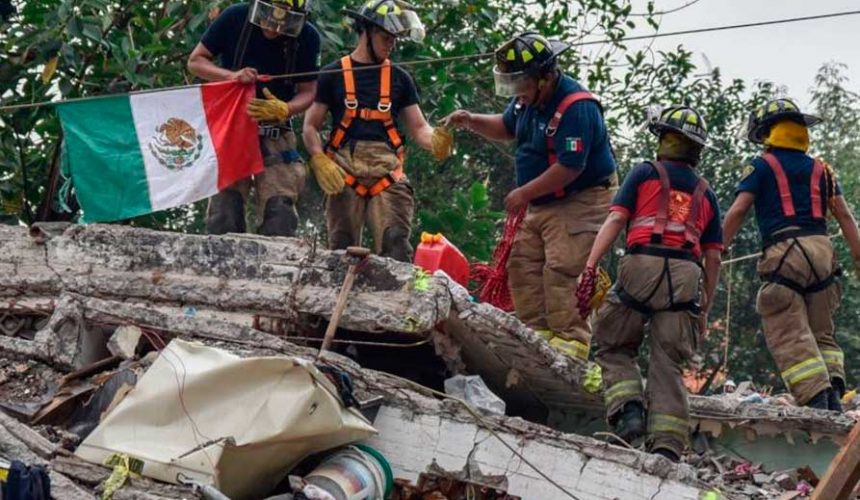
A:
(382, 113)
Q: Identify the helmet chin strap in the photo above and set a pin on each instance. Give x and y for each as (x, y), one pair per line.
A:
(373, 56)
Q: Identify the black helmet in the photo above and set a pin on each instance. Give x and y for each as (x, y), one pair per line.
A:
(773, 111)
(395, 17)
(524, 56)
(681, 119)
(286, 17)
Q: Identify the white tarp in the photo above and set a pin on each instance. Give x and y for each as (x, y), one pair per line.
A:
(238, 423)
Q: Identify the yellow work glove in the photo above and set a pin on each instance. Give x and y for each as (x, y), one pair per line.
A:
(328, 173)
(270, 109)
(442, 143)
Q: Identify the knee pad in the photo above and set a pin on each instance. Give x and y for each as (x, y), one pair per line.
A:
(226, 213)
(279, 217)
(395, 244)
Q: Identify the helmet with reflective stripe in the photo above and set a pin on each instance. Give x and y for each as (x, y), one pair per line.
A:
(286, 17)
(774, 111)
(395, 17)
(683, 120)
(524, 56)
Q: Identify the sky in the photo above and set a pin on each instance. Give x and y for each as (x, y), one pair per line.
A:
(788, 54)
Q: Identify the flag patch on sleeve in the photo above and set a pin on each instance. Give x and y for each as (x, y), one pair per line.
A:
(573, 144)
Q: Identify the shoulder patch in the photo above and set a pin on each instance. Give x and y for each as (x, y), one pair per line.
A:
(748, 169)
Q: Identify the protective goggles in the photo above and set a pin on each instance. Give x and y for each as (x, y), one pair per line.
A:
(404, 24)
(511, 84)
(277, 18)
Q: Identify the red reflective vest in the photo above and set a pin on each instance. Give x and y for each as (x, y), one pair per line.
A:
(660, 223)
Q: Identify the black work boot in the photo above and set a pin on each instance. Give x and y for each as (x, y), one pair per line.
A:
(629, 423)
(226, 213)
(819, 401)
(666, 452)
(834, 395)
(279, 217)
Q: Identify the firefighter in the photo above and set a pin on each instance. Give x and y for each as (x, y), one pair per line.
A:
(251, 40)
(672, 220)
(360, 168)
(792, 193)
(565, 170)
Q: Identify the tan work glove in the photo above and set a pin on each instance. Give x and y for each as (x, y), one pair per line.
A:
(328, 173)
(270, 109)
(442, 143)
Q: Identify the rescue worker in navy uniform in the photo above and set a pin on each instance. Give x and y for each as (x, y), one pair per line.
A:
(672, 220)
(792, 193)
(565, 171)
(250, 41)
(360, 168)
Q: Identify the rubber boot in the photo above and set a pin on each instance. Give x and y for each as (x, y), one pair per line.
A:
(834, 395)
(666, 452)
(226, 213)
(629, 423)
(820, 400)
(280, 217)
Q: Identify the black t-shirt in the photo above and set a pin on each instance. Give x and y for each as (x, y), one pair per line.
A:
(331, 92)
(268, 57)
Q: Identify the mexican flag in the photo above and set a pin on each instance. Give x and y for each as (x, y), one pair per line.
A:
(134, 154)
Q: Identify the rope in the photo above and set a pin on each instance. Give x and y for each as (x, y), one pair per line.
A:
(468, 57)
(493, 278)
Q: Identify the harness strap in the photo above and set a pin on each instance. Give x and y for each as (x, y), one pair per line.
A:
(376, 188)
(667, 253)
(779, 279)
(631, 302)
(691, 233)
(781, 184)
(552, 127)
(815, 188)
(663, 209)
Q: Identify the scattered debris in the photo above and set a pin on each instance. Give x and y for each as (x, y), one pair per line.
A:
(473, 390)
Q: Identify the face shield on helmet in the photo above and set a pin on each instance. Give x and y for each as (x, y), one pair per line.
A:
(278, 18)
(511, 84)
(404, 23)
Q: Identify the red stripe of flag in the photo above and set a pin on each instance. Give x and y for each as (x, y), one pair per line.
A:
(233, 132)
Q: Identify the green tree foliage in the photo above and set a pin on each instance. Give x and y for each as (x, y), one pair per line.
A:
(62, 49)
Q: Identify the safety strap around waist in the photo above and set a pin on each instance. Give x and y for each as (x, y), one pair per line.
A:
(668, 253)
(790, 234)
(631, 302)
(352, 112)
(377, 187)
(797, 287)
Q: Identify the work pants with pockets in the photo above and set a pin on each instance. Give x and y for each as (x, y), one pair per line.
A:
(388, 215)
(548, 255)
(277, 191)
(798, 327)
(657, 283)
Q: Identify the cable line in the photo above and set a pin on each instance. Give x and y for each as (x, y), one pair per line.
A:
(468, 57)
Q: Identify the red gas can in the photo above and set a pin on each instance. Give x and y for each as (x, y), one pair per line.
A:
(436, 252)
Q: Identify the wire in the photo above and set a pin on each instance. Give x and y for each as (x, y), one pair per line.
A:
(467, 57)
(483, 423)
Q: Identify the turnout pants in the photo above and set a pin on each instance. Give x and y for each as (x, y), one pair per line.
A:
(388, 215)
(656, 283)
(277, 190)
(798, 325)
(547, 257)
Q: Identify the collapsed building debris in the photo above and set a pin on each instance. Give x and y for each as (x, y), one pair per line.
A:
(66, 292)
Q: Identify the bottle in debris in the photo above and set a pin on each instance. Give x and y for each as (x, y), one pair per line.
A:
(435, 252)
(354, 473)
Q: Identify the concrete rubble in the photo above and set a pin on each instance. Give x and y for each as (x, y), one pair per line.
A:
(71, 298)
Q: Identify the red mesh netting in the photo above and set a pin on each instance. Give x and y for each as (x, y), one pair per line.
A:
(492, 279)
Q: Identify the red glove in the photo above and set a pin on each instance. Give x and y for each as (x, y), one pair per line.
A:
(585, 291)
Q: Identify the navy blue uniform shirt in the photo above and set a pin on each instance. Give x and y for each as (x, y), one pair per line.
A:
(581, 142)
(759, 179)
(268, 57)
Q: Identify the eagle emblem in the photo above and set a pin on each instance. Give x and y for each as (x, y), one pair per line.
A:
(176, 145)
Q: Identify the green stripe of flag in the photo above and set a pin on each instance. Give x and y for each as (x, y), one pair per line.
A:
(104, 157)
